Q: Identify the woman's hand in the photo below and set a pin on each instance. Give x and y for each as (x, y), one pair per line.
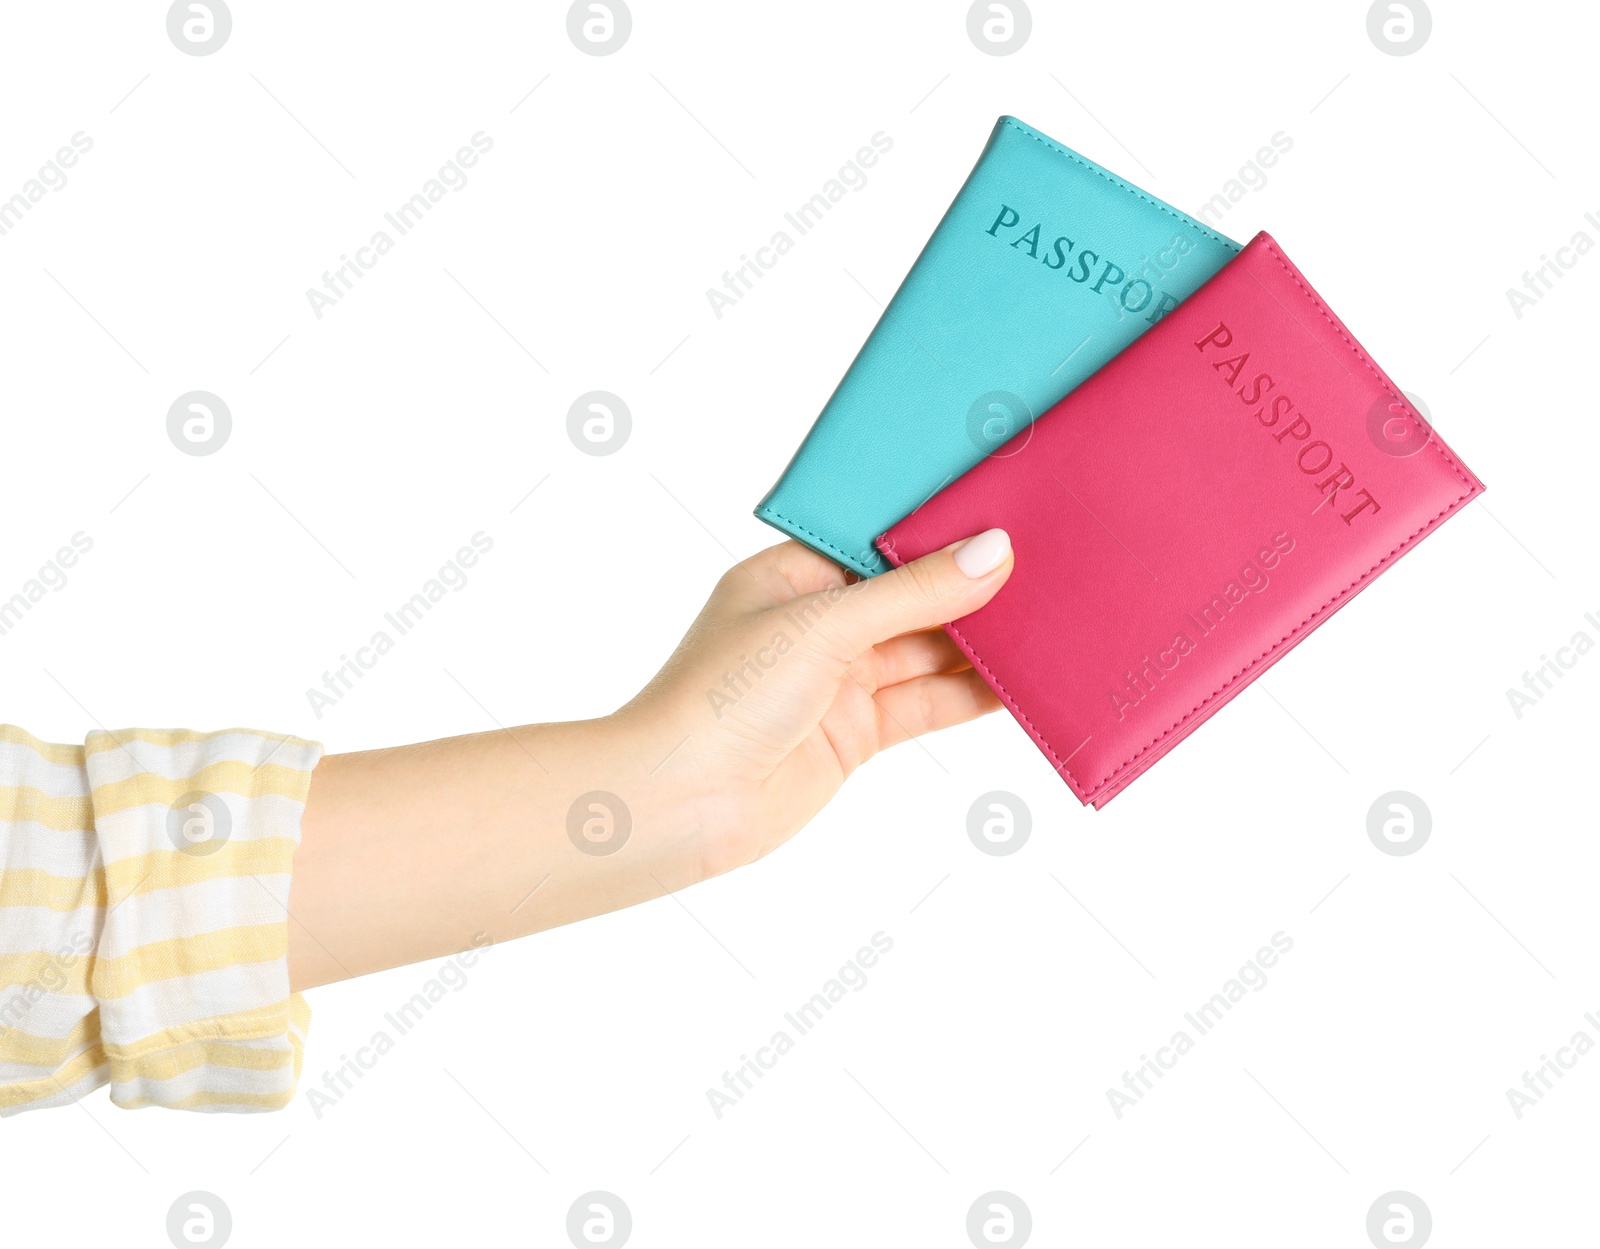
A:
(791, 677)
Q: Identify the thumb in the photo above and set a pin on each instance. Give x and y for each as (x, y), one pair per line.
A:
(941, 586)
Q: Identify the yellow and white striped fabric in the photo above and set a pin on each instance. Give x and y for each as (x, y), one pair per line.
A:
(144, 878)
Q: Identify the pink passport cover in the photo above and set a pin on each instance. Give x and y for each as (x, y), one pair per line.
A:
(1187, 516)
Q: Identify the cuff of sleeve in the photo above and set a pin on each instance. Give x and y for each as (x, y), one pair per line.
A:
(197, 834)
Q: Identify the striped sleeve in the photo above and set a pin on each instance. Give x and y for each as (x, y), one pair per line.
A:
(144, 882)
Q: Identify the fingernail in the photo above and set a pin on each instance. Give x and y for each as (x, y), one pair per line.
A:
(979, 556)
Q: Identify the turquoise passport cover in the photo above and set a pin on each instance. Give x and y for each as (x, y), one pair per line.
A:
(1044, 267)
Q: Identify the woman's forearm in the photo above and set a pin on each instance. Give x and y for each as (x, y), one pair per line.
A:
(412, 852)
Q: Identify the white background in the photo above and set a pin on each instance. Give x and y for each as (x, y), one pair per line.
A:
(979, 1054)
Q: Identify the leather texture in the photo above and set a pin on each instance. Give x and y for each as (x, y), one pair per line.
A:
(997, 320)
(1186, 517)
